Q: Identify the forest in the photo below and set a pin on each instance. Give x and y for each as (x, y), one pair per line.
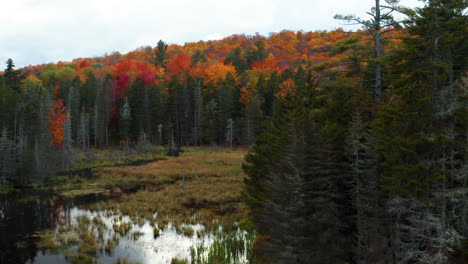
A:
(357, 140)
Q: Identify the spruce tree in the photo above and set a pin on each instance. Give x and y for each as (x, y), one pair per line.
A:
(414, 139)
(380, 23)
(160, 54)
(7, 162)
(12, 77)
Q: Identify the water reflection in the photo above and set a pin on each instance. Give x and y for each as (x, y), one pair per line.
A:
(21, 219)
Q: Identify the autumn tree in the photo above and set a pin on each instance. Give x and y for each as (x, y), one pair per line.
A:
(258, 53)
(57, 119)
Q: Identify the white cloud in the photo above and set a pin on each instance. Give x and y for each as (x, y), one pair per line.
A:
(41, 31)
(213, 36)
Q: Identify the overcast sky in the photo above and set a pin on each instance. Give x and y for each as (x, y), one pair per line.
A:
(42, 31)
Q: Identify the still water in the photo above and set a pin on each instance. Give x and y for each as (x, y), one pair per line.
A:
(22, 219)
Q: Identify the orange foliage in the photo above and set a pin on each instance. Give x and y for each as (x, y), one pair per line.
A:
(269, 64)
(287, 49)
(213, 72)
(247, 94)
(179, 64)
(123, 67)
(56, 89)
(286, 87)
(57, 119)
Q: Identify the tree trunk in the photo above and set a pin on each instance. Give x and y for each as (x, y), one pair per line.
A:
(378, 55)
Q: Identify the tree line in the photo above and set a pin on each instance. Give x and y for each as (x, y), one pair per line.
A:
(215, 92)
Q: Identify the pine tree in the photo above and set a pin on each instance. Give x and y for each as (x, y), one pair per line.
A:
(236, 58)
(284, 219)
(230, 131)
(371, 232)
(211, 122)
(7, 162)
(380, 23)
(12, 77)
(414, 135)
(160, 55)
(275, 186)
(197, 113)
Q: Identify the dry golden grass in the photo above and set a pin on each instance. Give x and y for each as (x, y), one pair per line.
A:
(211, 191)
(193, 162)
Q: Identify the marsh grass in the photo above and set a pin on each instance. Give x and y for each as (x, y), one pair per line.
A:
(122, 228)
(137, 234)
(156, 232)
(210, 193)
(125, 261)
(185, 230)
(47, 241)
(179, 261)
(73, 239)
(202, 186)
(81, 259)
(227, 248)
(116, 156)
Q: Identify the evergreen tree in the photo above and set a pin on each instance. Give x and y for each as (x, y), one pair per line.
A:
(418, 161)
(197, 113)
(381, 22)
(7, 161)
(372, 245)
(212, 122)
(284, 214)
(230, 131)
(199, 56)
(256, 54)
(160, 54)
(236, 58)
(11, 76)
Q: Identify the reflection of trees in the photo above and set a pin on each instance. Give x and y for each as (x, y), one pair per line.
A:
(58, 213)
(21, 220)
(18, 222)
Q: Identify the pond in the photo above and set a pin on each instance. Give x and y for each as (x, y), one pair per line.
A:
(44, 229)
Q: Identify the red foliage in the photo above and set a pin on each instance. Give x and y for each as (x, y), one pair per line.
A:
(56, 89)
(123, 67)
(147, 78)
(271, 64)
(179, 64)
(84, 64)
(57, 119)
